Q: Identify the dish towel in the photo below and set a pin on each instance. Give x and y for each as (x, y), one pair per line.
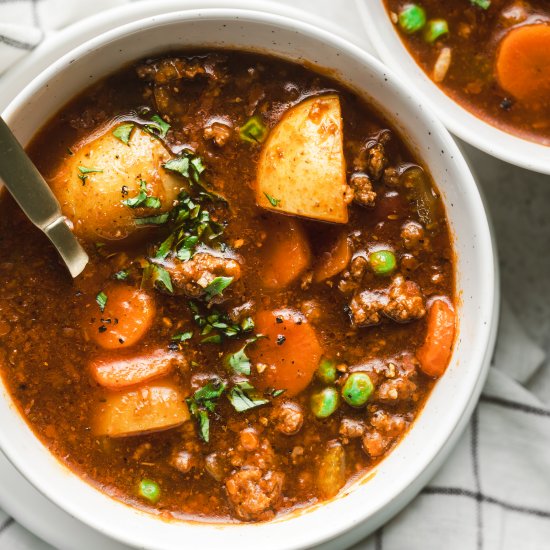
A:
(494, 491)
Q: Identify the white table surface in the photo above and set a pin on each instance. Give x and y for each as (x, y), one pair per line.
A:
(518, 202)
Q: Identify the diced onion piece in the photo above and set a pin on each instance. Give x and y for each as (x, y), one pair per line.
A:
(331, 473)
(302, 169)
(442, 65)
(151, 408)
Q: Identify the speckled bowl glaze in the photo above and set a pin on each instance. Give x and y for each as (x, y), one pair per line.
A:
(461, 122)
(369, 502)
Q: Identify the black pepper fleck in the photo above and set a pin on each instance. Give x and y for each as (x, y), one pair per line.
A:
(506, 104)
(102, 328)
(281, 340)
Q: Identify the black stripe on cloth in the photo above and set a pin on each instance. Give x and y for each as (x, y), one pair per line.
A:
(475, 467)
(15, 43)
(378, 539)
(539, 411)
(6, 524)
(456, 491)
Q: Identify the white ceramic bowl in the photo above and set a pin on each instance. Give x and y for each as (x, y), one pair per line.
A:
(461, 122)
(398, 478)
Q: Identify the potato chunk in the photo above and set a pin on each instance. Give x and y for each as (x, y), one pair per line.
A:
(147, 409)
(92, 183)
(302, 170)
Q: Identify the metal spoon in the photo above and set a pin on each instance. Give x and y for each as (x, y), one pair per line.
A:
(29, 189)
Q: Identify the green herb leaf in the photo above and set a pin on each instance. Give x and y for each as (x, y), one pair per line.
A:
(202, 402)
(142, 199)
(276, 393)
(121, 275)
(272, 200)
(218, 323)
(239, 362)
(84, 170)
(123, 131)
(161, 219)
(182, 336)
(244, 396)
(483, 4)
(217, 286)
(214, 339)
(158, 127)
(157, 277)
(164, 248)
(253, 130)
(101, 300)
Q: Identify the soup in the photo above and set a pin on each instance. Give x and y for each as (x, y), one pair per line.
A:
(491, 56)
(270, 293)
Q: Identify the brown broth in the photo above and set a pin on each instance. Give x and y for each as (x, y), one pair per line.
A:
(45, 316)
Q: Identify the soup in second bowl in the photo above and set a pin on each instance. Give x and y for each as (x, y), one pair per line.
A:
(491, 56)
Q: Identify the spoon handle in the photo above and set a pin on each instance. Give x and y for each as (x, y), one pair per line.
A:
(29, 189)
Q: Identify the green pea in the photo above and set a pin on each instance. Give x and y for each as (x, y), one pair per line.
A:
(325, 402)
(149, 490)
(357, 389)
(412, 18)
(435, 29)
(382, 262)
(326, 371)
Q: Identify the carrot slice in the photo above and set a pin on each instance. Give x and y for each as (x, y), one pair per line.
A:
(129, 371)
(523, 62)
(127, 316)
(285, 254)
(435, 352)
(333, 261)
(289, 355)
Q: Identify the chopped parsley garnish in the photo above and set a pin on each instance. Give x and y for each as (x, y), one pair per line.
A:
(253, 130)
(190, 224)
(203, 402)
(217, 326)
(182, 336)
(123, 131)
(84, 171)
(244, 396)
(239, 362)
(157, 126)
(483, 4)
(142, 199)
(161, 219)
(121, 275)
(101, 300)
(157, 277)
(272, 200)
(276, 393)
(217, 286)
(191, 167)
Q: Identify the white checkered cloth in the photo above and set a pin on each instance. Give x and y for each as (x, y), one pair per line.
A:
(494, 491)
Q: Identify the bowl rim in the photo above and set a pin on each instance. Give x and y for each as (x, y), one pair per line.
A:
(456, 118)
(416, 479)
